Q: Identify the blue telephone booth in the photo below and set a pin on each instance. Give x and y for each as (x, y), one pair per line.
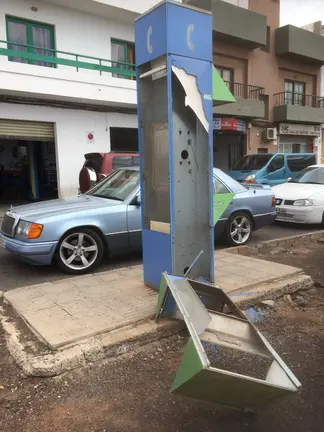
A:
(174, 82)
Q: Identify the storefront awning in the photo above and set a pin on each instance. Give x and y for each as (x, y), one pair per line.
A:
(221, 93)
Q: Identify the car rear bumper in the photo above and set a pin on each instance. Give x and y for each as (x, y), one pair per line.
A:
(296, 214)
(31, 253)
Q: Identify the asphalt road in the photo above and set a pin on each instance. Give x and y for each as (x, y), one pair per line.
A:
(14, 274)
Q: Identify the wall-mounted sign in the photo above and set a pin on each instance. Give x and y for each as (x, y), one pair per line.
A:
(299, 129)
(232, 124)
(90, 138)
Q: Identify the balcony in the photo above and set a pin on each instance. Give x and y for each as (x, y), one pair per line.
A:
(249, 102)
(297, 107)
(299, 44)
(120, 10)
(63, 76)
(234, 24)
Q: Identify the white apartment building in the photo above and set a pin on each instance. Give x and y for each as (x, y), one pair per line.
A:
(59, 97)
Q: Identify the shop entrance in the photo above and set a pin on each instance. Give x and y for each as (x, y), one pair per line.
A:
(229, 147)
(27, 162)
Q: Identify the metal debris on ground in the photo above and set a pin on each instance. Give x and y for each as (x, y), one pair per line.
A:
(226, 360)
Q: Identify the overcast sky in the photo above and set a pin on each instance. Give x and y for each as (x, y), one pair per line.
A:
(301, 12)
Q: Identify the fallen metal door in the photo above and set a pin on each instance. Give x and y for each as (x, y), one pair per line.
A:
(213, 332)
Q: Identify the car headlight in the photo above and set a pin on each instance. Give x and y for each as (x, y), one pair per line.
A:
(250, 178)
(29, 230)
(304, 202)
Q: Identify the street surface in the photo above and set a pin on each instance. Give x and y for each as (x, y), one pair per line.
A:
(14, 274)
(131, 393)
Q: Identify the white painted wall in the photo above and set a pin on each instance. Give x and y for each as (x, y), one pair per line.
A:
(75, 32)
(139, 6)
(72, 127)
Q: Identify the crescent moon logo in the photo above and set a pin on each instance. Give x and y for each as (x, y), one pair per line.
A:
(148, 40)
(190, 30)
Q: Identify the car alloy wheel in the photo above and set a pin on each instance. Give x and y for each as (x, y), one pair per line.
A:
(240, 229)
(80, 251)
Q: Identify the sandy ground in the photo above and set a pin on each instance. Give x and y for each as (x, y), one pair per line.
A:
(131, 393)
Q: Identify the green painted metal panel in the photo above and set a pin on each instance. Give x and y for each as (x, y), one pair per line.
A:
(202, 374)
(190, 366)
(221, 202)
(227, 389)
(221, 93)
(163, 292)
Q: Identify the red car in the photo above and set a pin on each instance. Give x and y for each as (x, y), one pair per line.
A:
(98, 165)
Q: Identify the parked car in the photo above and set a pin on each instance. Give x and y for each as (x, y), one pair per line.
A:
(77, 232)
(98, 165)
(269, 168)
(301, 200)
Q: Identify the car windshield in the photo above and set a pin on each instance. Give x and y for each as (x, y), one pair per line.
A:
(311, 175)
(117, 186)
(252, 162)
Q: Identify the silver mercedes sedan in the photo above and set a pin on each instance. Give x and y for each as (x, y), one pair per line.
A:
(78, 232)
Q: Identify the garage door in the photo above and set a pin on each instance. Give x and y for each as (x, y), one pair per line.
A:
(26, 130)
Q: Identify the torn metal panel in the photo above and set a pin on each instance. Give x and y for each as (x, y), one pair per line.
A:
(227, 360)
(191, 308)
(193, 97)
(201, 75)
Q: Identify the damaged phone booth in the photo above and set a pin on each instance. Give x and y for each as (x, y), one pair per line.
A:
(227, 360)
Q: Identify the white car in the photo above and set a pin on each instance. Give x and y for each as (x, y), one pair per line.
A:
(301, 199)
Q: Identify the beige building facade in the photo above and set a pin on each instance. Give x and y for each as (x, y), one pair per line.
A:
(275, 75)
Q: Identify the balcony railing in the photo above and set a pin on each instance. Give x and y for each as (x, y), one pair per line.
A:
(291, 98)
(245, 91)
(45, 57)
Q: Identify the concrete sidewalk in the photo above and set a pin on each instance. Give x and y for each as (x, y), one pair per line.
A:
(63, 313)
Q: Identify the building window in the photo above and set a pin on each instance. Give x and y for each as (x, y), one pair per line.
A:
(123, 52)
(267, 47)
(277, 163)
(294, 93)
(293, 148)
(38, 37)
(227, 75)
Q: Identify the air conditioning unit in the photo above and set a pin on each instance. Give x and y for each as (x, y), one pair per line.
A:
(270, 134)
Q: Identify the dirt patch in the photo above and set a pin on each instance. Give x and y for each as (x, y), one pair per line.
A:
(309, 257)
(28, 340)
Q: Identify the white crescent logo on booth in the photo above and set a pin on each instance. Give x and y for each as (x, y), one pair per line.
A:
(148, 40)
(190, 30)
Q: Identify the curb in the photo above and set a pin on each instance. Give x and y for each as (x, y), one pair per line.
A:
(129, 338)
(273, 290)
(271, 244)
(97, 348)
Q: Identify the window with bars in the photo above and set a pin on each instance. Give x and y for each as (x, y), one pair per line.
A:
(32, 37)
(122, 55)
(294, 93)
